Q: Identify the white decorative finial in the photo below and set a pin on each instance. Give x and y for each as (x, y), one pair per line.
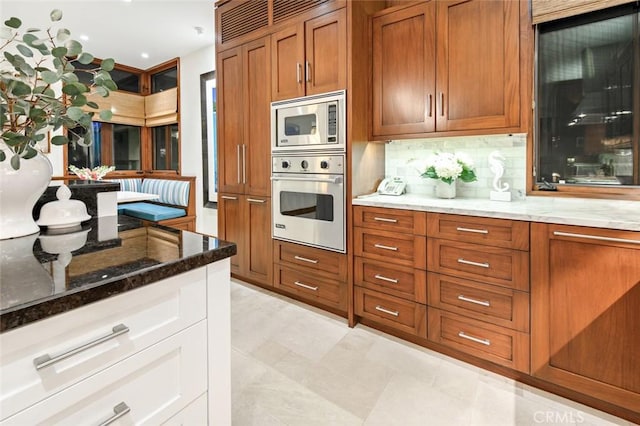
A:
(63, 193)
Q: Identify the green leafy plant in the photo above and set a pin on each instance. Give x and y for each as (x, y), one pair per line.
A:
(40, 89)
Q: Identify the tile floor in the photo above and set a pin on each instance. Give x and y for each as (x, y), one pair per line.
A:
(296, 365)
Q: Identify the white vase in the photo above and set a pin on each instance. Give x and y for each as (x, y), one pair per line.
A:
(19, 191)
(445, 190)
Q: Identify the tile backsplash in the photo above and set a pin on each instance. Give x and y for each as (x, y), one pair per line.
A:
(407, 158)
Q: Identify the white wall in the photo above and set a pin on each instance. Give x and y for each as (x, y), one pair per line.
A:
(191, 67)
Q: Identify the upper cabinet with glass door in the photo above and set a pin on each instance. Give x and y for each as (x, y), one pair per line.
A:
(588, 100)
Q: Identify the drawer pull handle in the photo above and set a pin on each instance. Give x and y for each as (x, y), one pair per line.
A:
(304, 259)
(383, 278)
(477, 231)
(595, 237)
(474, 339)
(229, 197)
(383, 247)
(299, 284)
(119, 410)
(46, 359)
(470, 300)
(384, 219)
(255, 200)
(386, 311)
(469, 262)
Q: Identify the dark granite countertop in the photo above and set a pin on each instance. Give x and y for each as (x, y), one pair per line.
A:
(49, 273)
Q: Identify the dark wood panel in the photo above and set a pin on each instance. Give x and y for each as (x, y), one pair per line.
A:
(385, 277)
(287, 63)
(326, 53)
(401, 314)
(321, 262)
(407, 221)
(311, 287)
(401, 249)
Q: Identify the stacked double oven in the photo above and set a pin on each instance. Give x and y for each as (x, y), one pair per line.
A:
(308, 146)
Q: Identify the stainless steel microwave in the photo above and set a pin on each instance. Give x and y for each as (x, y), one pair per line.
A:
(309, 123)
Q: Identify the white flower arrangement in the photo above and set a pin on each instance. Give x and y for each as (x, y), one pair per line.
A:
(97, 173)
(448, 167)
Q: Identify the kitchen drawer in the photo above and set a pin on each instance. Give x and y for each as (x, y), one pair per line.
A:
(327, 263)
(497, 305)
(151, 313)
(491, 342)
(155, 384)
(400, 314)
(193, 414)
(493, 232)
(406, 221)
(495, 265)
(400, 281)
(401, 249)
(311, 286)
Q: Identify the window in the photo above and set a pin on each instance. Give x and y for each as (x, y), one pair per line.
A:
(165, 147)
(163, 80)
(126, 79)
(588, 96)
(113, 145)
(126, 147)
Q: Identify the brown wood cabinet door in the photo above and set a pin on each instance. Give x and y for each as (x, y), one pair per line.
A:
(287, 67)
(585, 311)
(404, 71)
(258, 253)
(232, 226)
(326, 53)
(477, 64)
(257, 120)
(230, 120)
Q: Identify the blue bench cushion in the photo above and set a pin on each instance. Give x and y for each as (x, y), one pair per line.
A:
(174, 192)
(128, 184)
(152, 212)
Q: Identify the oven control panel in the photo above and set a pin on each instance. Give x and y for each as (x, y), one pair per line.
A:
(317, 164)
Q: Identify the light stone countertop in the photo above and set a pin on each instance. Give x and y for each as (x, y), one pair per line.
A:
(599, 213)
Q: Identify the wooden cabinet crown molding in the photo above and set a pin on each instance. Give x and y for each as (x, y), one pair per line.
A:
(549, 10)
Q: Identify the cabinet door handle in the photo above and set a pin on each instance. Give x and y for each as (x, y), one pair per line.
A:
(229, 197)
(486, 342)
(299, 284)
(118, 411)
(384, 219)
(383, 247)
(430, 104)
(477, 302)
(469, 262)
(298, 72)
(596, 237)
(442, 104)
(255, 200)
(387, 311)
(304, 259)
(46, 359)
(244, 163)
(308, 71)
(238, 157)
(477, 231)
(383, 278)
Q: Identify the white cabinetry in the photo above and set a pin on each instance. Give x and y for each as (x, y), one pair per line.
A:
(146, 351)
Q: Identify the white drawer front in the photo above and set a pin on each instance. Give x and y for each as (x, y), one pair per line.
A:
(151, 313)
(192, 415)
(154, 385)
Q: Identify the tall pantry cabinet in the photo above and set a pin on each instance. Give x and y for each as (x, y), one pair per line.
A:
(244, 203)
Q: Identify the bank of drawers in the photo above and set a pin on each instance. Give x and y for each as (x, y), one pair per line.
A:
(478, 287)
(311, 274)
(390, 268)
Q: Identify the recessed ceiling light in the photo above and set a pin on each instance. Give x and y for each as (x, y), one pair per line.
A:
(84, 37)
(145, 55)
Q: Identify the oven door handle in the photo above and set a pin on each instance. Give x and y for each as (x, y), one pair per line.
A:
(335, 180)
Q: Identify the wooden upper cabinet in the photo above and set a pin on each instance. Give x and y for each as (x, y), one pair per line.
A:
(446, 65)
(478, 72)
(310, 57)
(403, 71)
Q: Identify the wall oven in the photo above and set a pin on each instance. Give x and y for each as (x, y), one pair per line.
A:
(308, 199)
(309, 123)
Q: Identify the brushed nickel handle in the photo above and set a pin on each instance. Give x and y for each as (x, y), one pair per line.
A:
(384, 219)
(442, 104)
(469, 262)
(476, 301)
(308, 71)
(430, 104)
(229, 197)
(298, 72)
(486, 342)
(255, 200)
(244, 163)
(386, 311)
(383, 247)
(47, 360)
(596, 237)
(383, 278)
(118, 411)
(305, 259)
(303, 285)
(477, 231)
(238, 157)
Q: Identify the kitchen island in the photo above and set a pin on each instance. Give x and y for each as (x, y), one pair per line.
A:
(115, 319)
